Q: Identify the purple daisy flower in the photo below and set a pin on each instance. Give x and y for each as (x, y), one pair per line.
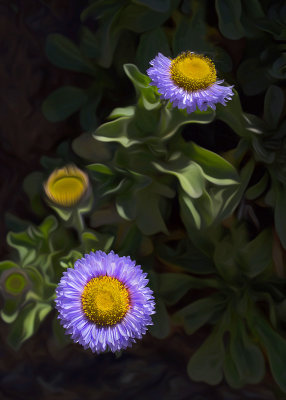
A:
(188, 81)
(103, 302)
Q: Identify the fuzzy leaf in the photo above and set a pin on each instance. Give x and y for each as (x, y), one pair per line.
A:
(63, 102)
(215, 169)
(198, 313)
(27, 323)
(229, 14)
(63, 53)
(150, 43)
(275, 347)
(279, 213)
(207, 362)
(273, 105)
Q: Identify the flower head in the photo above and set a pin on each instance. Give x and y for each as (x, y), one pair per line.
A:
(188, 81)
(104, 303)
(66, 186)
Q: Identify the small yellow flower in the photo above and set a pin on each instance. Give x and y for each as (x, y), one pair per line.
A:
(66, 186)
(14, 282)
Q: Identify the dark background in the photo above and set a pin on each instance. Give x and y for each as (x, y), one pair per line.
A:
(157, 368)
(26, 78)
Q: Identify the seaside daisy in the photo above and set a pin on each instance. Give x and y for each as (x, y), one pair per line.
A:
(66, 186)
(189, 81)
(104, 303)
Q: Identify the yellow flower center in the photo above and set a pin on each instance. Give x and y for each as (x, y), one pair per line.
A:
(192, 71)
(66, 186)
(105, 300)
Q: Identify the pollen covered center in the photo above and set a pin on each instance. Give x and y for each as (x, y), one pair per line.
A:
(66, 186)
(192, 71)
(105, 300)
(71, 185)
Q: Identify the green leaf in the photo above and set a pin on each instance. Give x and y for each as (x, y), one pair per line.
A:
(88, 43)
(101, 168)
(48, 226)
(232, 115)
(126, 206)
(96, 241)
(7, 264)
(252, 13)
(215, 169)
(139, 18)
(229, 14)
(231, 373)
(225, 259)
(278, 70)
(142, 86)
(173, 118)
(33, 185)
(37, 280)
(63, 102)
(87, 115)
(10, 310)
(144, 123)
(143, 204)
(172, 287)
(222, 60)
(273, 23)
(107, 36)
(24, 244)
(190, 176)
(191, 31)
(150, 44)
(258, 189)
(255, 125)
(122, 112)
(27, 323)
(257, 254)
(185, 256)
(100, 8)
(161, 321)
(156, 5)
(115, 131)
(87, 147)
(15, 224)
(247, 357)
(152, 200)
(252, 76)
(59, 334)
(198, 313)
(279, 213)
(103, 43)
(63, 53)
(273, 105)
(130, 241)
(197, 213)
(225, 200)
(64, 214)
(207, 362)
(275, 347)
(69, 260)
(269, 298)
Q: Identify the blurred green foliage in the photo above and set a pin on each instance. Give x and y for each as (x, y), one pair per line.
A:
(193, 215)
